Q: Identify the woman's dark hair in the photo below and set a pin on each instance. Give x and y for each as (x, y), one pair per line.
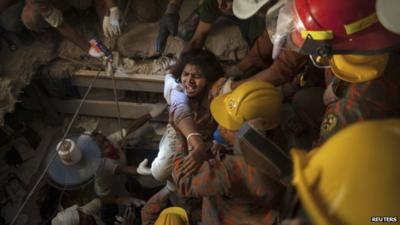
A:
(207, 62)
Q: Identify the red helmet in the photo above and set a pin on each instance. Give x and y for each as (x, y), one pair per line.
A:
(324, 27)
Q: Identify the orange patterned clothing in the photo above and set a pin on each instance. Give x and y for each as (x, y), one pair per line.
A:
(233, 192)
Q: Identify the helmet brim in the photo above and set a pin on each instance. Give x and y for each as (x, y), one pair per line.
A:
(243, 9)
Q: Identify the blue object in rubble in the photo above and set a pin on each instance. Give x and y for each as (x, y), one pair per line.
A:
(218, 137)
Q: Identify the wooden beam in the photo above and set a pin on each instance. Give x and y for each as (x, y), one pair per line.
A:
(133, 82)
(129, 110)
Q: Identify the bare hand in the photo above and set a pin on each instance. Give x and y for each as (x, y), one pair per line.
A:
(193, 162)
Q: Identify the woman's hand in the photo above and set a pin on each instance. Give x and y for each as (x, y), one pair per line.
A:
(193, 161)
(196, 156)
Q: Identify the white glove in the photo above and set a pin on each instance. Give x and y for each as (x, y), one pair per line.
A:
(96, 54)
(107, 30)
(143, 169)
(54, 18)
(157, 109)
(128, 201)
(227, 87)
(115, 17)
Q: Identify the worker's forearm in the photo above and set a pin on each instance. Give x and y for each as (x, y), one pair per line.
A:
(263, 75)
(126, 170)
(192, 44)
(72, 35)
(199, 37)
(138, 123)
(246, 63)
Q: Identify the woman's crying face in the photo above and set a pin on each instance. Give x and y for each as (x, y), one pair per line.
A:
(193, 81)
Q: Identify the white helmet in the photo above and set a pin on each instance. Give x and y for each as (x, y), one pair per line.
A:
(388, 12)
(244, 9)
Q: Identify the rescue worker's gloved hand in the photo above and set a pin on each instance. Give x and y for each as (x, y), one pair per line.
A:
(143, 169)
(157, 109)
(54, 18)
(107, 30)
(115, 18)
(128, 201)
(168, 26)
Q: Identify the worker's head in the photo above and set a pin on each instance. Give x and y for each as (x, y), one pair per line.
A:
(352, 177)
(344, 34)
(200, 70)
(252, 99)
(173, 216)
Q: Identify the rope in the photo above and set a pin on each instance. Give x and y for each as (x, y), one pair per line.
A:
(116, 101)
(52, 159)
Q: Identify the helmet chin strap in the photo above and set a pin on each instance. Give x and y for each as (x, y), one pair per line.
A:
(313, 47)
(317, 62)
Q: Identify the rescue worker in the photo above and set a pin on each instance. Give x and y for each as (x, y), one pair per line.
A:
(352, 179)
(356, 51)
(359, 54)
(39, 15)
(234, 192)
(108, 180)
(292, 70)
(88, 214)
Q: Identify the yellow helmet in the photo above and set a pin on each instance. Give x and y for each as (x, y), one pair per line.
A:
(252, 99)
(352, 177)
(173, 216)
(359, 68)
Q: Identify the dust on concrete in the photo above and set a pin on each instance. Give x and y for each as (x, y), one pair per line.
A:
(150, 67)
